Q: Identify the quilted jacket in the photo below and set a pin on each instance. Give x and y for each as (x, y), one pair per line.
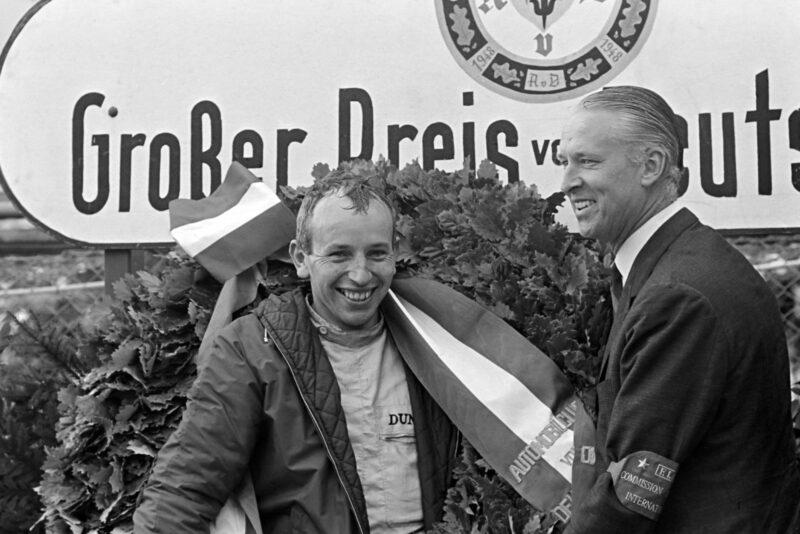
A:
(266, 399)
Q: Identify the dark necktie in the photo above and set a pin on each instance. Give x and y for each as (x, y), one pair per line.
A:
(616, 287)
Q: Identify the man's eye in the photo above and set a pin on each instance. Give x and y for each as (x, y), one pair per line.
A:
(587, 161)
(338, 255)
(378, 255)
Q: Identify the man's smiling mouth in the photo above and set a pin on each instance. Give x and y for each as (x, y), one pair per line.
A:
(356, 295)
(581, 205)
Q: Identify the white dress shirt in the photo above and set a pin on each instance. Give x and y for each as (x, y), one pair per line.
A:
(627, 253)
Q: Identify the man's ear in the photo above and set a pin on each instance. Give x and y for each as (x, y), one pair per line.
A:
(655, 163)
(299, 257)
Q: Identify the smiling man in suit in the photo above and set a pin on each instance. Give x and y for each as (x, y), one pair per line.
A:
(693, 428)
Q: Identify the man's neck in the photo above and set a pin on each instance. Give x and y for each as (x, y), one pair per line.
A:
(356, 337)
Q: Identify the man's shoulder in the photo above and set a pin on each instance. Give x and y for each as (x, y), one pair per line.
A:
(250, 337)
(701, 256)
(685, 250)
(700, 261)
(278, 308)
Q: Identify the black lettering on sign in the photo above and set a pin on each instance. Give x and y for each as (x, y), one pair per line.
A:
(431, 154)
(286, 138)
(728, 186)
(540, 150)
(128, 143)
(468, 133)
(794, 143)
(205, 145)
(762, 116)
(208, 156)
(173, 146)
(102, 143)
(539, 154)
(494, 155)
(346, 98)
(554, 151)
(395, 134)
(249, 138)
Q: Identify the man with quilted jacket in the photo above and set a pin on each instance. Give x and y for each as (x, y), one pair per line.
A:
(310, 397)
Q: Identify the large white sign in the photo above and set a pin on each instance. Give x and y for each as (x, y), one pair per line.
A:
(108, 110)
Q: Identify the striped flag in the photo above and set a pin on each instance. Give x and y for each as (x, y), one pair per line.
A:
(238, 225)
(508, 398)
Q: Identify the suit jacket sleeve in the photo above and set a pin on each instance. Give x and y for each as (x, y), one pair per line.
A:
(205, 458)
(670, 372)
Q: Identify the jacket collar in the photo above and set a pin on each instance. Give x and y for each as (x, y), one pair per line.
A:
(347, 338)
(652, 252)
(287, 320)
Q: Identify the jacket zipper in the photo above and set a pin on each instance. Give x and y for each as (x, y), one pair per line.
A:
(320, 432)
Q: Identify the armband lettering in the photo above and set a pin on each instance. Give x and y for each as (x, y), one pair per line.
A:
(642, 481)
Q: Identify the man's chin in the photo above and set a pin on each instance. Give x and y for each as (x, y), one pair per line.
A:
(586, 230)
(359, 321)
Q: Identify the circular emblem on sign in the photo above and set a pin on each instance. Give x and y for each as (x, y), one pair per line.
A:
(544, 50)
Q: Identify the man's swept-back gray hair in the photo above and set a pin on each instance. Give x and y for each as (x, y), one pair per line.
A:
(362, 191)
(649, 121)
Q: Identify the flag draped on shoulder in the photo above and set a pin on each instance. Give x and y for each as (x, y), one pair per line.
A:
(238, 225)
(228, 233)
(508, 398)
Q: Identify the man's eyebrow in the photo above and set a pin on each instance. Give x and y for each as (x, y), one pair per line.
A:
(583, 154)
(333, 247)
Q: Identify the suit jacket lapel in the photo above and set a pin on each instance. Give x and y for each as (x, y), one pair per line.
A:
(643, 266)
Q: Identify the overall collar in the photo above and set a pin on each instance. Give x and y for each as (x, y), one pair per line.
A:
(353, 339)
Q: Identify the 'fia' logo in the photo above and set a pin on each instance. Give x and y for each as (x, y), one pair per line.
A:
(544, 50)
(665, 472)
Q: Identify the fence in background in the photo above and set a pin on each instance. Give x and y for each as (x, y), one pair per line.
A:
(784, 278)
(58, 287)
(64, 286)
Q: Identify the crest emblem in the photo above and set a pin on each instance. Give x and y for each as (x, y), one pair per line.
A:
(541, 12)
(544, 50)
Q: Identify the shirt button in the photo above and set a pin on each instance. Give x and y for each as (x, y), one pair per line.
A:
(323, 330)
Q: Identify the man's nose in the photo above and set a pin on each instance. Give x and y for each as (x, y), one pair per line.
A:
(359, 271)
(570, 180)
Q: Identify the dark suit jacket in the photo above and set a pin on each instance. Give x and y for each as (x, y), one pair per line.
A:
(696, 371)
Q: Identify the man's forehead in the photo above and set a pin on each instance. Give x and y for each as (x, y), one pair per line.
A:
(336, 201)
(336, 222)
(593, 127)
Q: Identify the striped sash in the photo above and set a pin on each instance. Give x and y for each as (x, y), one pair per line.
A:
(507, 397)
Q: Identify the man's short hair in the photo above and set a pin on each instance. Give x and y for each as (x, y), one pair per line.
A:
(362, 191)
(649, 121)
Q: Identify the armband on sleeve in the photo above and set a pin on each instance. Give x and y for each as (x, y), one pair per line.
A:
(642, 481)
